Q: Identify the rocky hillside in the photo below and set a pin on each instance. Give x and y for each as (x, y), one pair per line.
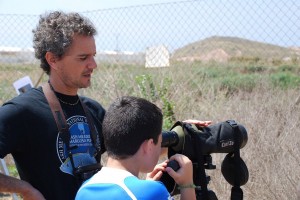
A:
(222, 49)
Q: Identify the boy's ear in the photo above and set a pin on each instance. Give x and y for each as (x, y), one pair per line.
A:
(147, 146)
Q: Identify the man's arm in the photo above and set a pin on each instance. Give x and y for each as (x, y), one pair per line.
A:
(13, 185)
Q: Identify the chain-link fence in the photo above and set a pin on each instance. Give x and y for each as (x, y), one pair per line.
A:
(161, 34)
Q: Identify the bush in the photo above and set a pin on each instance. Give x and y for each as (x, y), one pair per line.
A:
(285, 80)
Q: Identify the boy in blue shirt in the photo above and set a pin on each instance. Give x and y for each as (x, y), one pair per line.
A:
(132, 130)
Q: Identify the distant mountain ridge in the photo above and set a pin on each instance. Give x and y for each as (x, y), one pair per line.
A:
(222, 49)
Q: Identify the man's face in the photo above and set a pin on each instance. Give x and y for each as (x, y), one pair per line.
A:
(77, 64)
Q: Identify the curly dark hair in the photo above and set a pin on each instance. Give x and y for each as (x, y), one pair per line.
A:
(54, 33)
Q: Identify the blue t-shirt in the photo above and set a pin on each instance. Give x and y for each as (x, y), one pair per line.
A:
(111, 183)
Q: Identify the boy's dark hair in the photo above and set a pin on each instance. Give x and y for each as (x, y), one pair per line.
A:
(128, 122)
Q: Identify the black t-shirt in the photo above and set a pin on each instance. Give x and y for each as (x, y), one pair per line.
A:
(28, 131)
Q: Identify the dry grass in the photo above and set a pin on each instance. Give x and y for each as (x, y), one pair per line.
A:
(270, 116)
(272, 151)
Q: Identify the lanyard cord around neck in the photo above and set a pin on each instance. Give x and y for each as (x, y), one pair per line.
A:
(61, 120)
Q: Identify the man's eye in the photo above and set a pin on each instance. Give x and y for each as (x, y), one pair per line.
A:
(83, 58)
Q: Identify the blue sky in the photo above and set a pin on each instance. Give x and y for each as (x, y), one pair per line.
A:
(37, 7)
(174, 25)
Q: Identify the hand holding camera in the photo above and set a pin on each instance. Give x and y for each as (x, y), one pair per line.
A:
(180, 168)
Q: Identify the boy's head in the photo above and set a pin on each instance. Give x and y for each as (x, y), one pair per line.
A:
(128, 123)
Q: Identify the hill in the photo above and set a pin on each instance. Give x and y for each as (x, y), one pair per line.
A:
(223, 49)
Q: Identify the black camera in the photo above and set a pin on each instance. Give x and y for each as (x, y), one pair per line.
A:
(197, 143)
(82, 173)
(217, 138)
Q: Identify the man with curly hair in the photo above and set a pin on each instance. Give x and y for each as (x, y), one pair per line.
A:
(46, 161)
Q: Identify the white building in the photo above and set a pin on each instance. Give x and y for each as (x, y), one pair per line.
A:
(157, 56)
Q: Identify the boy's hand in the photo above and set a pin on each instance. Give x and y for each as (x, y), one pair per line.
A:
(157, 172)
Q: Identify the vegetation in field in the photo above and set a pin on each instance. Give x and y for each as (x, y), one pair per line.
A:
(262, 97)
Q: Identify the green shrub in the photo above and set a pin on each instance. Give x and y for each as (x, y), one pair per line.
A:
(245, 82)
(13, 171)
(289, 68)
(255, 69)
(153, 92)
(285, 80)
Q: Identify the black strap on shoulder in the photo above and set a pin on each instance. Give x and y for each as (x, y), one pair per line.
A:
(236, 191)
(92, 126)
(61, 120)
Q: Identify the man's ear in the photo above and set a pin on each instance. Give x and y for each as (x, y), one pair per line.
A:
(51, 59)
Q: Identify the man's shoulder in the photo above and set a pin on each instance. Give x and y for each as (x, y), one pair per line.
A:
(32, 97)
(90, 101)
(94, 106)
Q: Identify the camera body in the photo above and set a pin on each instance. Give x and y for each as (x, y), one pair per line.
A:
(197, 143)
(217, 138)
(82, 173)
